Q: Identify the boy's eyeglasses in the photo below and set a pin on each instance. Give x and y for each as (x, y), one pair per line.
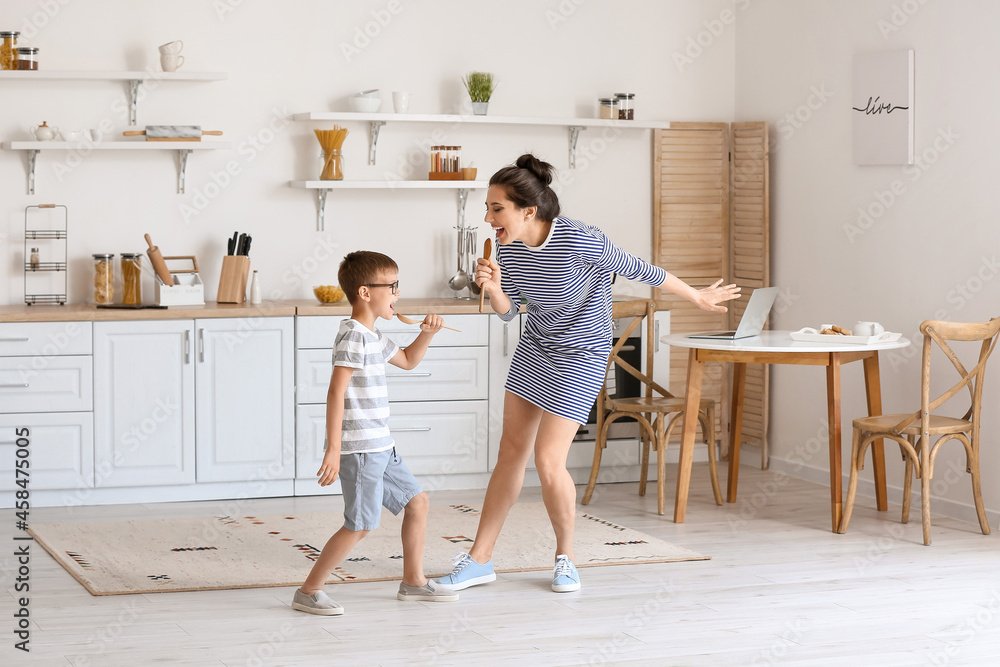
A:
(393, 286)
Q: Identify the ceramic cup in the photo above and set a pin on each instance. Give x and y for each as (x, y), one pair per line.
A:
(468, 173)
(95, 135)
(400, 101)
(172, 48)
(867, 329)
(72, 135)
(171, 63)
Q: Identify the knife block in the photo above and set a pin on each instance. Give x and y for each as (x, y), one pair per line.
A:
(233, 279)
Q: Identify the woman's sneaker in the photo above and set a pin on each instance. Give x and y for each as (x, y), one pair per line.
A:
(467, 572)
(319, 603)
(565, 577)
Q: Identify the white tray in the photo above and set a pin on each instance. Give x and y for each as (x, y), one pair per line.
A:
(813, 336)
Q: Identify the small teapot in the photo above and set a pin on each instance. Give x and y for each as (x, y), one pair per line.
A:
(43, 132)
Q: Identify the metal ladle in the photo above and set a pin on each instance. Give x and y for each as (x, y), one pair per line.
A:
(460, 280)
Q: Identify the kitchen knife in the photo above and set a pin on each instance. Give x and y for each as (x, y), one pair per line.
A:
(246, 248)
(239, 244)
(230, 246)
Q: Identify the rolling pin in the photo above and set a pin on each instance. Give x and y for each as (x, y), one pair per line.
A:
(156, 259)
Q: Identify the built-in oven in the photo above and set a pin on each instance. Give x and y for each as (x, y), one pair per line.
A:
(620, 384)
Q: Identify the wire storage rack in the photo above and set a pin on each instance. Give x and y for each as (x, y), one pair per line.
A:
(45, 237)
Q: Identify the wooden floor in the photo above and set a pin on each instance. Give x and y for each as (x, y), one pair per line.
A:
(781, 589)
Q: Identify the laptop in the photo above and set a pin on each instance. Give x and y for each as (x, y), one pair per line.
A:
(752, 322)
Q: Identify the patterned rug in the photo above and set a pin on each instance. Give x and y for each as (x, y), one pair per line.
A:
(150, 556)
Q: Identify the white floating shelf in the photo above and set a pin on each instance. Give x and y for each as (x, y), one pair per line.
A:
(183, 148)
(109, 75)
(389, 185)
(488, 120)
(322, 188)
(87, 146)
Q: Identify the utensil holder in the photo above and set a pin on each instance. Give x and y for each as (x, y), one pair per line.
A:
(233, 279)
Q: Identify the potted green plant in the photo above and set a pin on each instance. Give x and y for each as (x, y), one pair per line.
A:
(480, 86)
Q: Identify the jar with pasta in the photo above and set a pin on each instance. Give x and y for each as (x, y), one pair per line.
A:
(104, 278)
(131, 278)
(8, 49)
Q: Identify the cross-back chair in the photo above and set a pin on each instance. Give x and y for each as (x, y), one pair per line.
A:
(914, 431)
(652, 410)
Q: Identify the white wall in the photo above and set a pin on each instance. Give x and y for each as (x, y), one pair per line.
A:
(552, 59)
(914, 257)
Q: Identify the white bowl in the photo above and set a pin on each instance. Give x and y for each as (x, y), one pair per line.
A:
(365, 104)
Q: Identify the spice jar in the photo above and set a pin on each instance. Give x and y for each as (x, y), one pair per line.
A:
(131, 277)
(104, 278)
(626, 110)
(27, 57)
(608, 108)
(8, 50)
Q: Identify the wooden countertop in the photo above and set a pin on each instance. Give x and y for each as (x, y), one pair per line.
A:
(285, 308)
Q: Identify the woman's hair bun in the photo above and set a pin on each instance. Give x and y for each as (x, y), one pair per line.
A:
(542, 170)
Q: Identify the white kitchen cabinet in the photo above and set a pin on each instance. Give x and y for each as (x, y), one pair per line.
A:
(185, 401)
(503, 339)
(60, 450)
(244, 399)
(58, 384)
(144, 419)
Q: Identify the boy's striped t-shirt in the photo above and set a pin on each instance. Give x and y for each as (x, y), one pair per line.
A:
(366, 401)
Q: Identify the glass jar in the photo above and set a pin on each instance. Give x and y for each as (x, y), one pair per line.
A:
(27, 57)
(333, 165)
(104, 278)
(8, 50)
(132, 278)
(608, 108)
(626, 106)
(34, 260)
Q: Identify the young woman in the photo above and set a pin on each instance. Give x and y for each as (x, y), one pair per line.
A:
(563, 269)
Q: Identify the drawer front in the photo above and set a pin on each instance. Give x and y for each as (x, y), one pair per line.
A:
(442, 375)
(60, 450)
(45, 339)
(321, 332)
(46, 384)
(441, 437)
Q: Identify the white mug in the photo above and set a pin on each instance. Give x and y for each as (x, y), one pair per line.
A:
(172, 48)
(867, 329)
(400, 101)
(95, 135)
(171, 63)
(72, 135)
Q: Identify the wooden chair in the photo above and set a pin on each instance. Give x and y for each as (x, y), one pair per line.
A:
(922, 424)
(651, 411)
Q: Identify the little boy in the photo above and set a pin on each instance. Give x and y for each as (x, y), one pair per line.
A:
(359, 446)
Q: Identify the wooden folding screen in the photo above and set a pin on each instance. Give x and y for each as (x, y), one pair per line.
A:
(710, 221)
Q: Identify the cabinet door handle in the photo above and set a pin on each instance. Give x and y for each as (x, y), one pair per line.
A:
(187, 347)
(8, 442)
(412, 429)
(627, 348)
(505, 325)
(201, 345)
(408, 375)
(12, 385)
(13, 340)
(656, 336)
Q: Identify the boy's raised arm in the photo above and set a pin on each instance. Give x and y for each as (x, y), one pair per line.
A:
(409, 356)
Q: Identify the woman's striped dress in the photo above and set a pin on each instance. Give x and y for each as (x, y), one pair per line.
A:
(560, 361)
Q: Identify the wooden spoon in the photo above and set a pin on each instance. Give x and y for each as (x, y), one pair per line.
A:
(487, 249)
(409, 320)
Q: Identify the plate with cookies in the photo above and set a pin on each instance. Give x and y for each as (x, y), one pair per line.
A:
(831, 333)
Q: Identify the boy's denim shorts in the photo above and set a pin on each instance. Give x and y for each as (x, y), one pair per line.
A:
(371, 481)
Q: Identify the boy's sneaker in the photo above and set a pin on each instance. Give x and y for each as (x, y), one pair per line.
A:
(429, 592)
(565, 577)
(319, 603)
(467, 572)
